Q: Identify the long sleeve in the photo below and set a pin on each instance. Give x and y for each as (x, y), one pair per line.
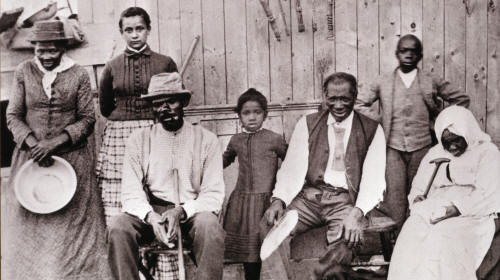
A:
(229, 154)
(85, 116)
(451, 95)
(485, 198)
(281, 149)
(212, 189)
(365, 100)
(16, 111)
(290, 177)
(106, 94)
(134, 199)
(171, 67)
(373, 185)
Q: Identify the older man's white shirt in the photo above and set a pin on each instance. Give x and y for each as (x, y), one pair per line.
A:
(291, 176)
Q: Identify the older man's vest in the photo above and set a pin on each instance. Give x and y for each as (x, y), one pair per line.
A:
(362, 133)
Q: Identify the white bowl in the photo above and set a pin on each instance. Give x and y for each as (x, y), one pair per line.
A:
(44, 190)
(278, 233)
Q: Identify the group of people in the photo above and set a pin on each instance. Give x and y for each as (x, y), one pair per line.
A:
(338, 168)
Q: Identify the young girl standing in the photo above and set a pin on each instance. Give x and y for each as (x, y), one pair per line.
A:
(258, 150)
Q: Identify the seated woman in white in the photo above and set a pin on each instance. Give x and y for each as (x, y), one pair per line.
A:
(448, 233)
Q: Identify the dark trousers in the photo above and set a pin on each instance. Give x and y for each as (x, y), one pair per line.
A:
(400, 169)
(315, 209)
(126, 233)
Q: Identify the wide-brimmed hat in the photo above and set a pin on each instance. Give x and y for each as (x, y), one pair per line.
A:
(165, 85)
(47, 31)
(44, 190)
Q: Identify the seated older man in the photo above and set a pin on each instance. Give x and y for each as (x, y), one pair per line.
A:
(151, 155)
(333, 174)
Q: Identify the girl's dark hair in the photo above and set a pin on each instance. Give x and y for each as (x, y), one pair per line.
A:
(251, 95)
(135, 11)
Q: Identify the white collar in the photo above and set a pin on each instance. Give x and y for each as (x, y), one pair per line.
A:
(409, 77)
(249, 132)
(344, 124)
(137, 51)
(50, 76)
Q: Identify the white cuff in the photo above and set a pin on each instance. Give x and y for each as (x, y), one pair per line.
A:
(189, 209)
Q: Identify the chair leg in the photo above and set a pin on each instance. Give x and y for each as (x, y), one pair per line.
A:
(387, 246)
(145, 272)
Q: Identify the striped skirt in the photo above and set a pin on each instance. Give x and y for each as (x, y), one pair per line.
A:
(110, 162)
(109, 176)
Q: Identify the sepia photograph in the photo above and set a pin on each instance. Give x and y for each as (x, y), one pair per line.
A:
(250, 139)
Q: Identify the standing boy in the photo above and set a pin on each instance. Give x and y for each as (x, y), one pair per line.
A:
(409, 100)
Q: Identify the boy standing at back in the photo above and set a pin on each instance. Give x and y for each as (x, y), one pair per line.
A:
(409, 100)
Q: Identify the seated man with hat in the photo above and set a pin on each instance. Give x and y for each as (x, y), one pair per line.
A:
(148, 183)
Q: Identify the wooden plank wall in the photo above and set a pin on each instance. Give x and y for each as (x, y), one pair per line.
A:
(237, 48)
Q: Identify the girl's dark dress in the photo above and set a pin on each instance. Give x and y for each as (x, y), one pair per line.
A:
(258, 155)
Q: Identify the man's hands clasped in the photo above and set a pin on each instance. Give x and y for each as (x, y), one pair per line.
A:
(165, 226)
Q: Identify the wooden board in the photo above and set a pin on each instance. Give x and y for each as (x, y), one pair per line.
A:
(290, 119)
(85, 13)
(96, 50)
(433, 36)
(191, 26)
(169, 29)
(280, 59)
(324, 47)
(476, 58)
(302, 54)
(454, 42)
(236, 54)
(214, 58)
(258, 47)
(6, 82)
(493, 93)
(390, 31)
(226, 126)
(346, 37)
(119, 7)
(151, 7)
(103, 11)
(368, 45)
(411, 17)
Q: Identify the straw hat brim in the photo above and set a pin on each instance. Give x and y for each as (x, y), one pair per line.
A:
(185, 95)
(34, 40)
(44, 190)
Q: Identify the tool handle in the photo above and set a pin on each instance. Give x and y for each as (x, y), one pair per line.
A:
(188, 57)
(329, 21)
(300, 18)
(283, 17)
(182, 271)
(271, 18)
(429, 185)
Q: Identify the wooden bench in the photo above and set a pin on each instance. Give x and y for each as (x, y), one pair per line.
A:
(306, 248)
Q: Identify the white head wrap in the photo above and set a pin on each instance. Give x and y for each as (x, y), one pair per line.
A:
(460, 121)
(50, 76)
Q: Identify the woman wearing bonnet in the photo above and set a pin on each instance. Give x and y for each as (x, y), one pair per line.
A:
(51, 112)
(448, 233)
